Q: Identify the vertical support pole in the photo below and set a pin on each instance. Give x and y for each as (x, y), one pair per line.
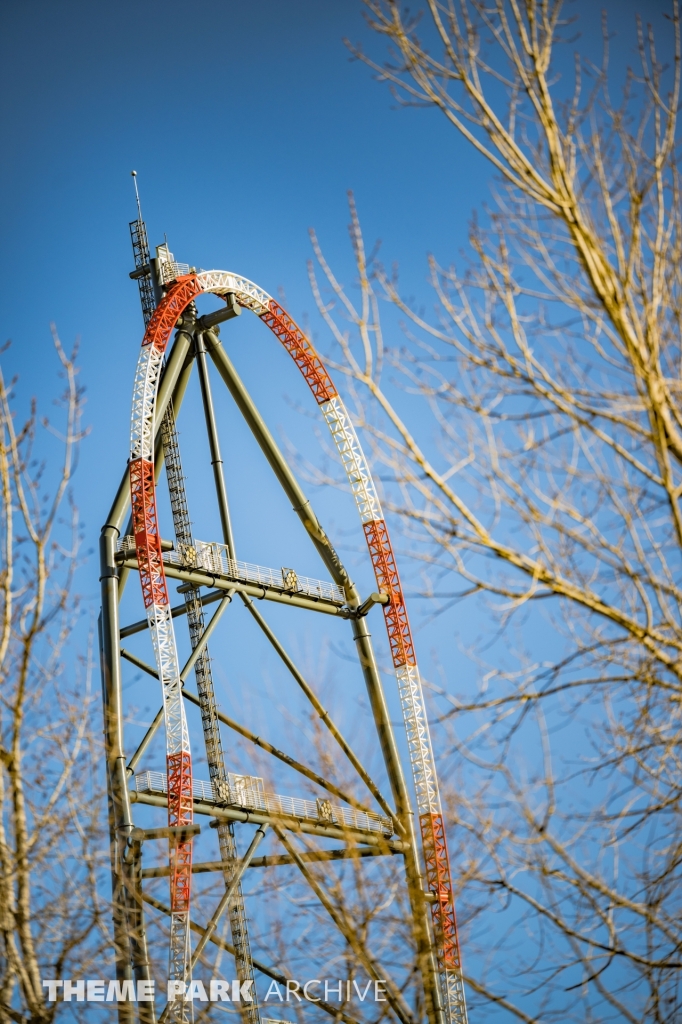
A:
(214, 444)
(120, 821)
(138, 936)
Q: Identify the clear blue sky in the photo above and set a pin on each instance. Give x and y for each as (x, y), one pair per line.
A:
(246, 122)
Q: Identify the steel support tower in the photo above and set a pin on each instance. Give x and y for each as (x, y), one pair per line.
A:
(209, 572)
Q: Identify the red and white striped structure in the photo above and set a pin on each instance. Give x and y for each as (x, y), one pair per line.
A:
(438, 877)
(157, 604)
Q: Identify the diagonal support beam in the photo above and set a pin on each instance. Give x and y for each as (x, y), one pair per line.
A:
(176, 612)
(146, 740)
(326, 719)
(206, 636)
(229, 892)
(338, 916)
(214, 444)
(280, 467)
(296, 765)
(180, 609)
(246, 733)
(139, 663)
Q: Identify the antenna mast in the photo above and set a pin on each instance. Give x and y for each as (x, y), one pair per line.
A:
(142, 271)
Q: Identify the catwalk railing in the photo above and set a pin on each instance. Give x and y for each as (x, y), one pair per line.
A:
(247, 792)
(213, 558)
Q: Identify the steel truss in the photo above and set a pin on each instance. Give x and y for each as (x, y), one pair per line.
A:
(212, 572)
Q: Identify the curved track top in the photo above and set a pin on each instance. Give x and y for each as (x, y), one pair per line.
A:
(155, 594)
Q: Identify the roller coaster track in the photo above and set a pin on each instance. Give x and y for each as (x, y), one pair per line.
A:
(182, 289)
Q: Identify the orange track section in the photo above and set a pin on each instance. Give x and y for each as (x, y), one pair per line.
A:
(395, 612)
(438, 881)
(166, 314)
(301, 351)
(179, 767)
(146, 530)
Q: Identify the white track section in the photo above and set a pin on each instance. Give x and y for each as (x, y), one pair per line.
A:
(418, 740)
(221, 282)
(179, 933)
(353, 460)
(144, 400)
(357, 470)
(165, 650)
(179, 1012)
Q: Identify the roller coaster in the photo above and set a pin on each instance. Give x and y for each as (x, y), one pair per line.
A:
(210, 573)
